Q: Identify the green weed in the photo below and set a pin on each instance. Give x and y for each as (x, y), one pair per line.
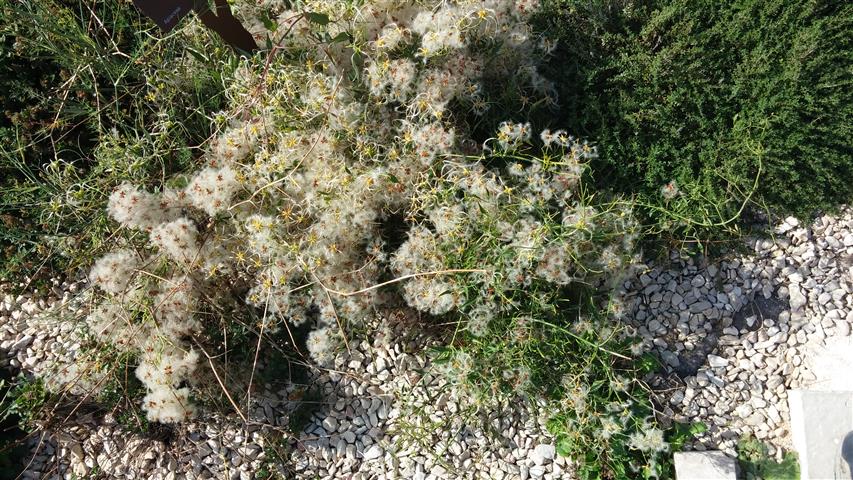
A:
(757, 464)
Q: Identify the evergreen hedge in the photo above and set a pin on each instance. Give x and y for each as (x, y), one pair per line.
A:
(703, 92)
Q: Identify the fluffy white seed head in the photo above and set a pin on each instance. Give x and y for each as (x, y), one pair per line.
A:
(322, 343)
(114, 271)
(211, 189)
(162, 369)
(178, 240)
(135, 208)
(168, 405)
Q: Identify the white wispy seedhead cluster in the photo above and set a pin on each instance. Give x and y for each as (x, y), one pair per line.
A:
(110, 323)
(649, 440)
(430, 141)
(523, 224)
(152, 320)
(163, 366)
(163, 372)
(436, 294)
(212, 189)
(148, 313)
(177, 239)
(393, 79)
(319, 153)
(114, 271)
(322, 343)
(670, 190)
(174, 301)
(512, 135)
(136, 208)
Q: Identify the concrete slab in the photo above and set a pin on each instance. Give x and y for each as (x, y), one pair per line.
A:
(822, 432)
(830, 365)
(704, 466)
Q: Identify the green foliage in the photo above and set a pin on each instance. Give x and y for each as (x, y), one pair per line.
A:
(756, 463)
(275, 462)
(26, 400)
(529, 334)
(590, 439)
(91, 97)
(722, 97)
(12, 448)
(121, 388)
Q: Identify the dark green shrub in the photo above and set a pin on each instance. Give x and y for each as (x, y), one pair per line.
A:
(710, 94)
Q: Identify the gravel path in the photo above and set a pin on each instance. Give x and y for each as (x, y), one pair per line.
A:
(379, 416)
(734, 335)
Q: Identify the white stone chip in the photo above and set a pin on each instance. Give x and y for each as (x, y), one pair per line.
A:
(374, 452)
(543, 453)
(716, 361)
(709, 465)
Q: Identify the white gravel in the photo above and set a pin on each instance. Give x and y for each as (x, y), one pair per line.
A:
(381, 417)
(734, 335)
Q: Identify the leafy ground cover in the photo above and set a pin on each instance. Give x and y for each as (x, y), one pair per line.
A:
(91, 97)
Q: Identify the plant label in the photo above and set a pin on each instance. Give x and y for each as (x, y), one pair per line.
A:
(165, 13)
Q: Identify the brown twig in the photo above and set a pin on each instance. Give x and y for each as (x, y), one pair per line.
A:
(400, 279)
(222, 385)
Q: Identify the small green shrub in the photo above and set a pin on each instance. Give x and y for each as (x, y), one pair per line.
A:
(756, 463)
(29, 397)
(534, 259)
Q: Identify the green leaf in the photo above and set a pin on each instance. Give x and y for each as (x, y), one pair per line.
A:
(342, 37)
(648, 363)
(698, 427)
(197, 55)
(268, 22)
(564, 445)
(554, 425)
(318, 18)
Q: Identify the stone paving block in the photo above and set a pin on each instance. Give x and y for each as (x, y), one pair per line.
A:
(704, 466)
(821, 427)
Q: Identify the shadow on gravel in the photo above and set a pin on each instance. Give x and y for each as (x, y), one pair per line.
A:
(749, 317)
(691, 360)
(760, 308)
(13, 450)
